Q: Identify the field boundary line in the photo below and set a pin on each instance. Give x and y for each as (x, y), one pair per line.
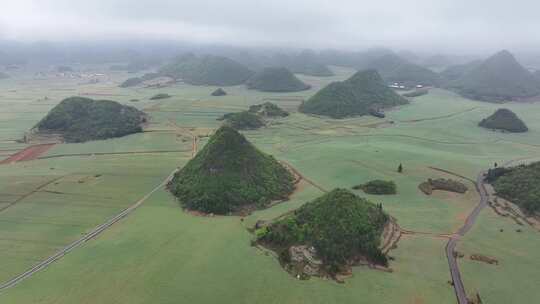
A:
(90, 235)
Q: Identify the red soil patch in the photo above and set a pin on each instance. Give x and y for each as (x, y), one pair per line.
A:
(29, 153)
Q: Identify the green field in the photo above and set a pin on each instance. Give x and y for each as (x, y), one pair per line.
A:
(160, 254)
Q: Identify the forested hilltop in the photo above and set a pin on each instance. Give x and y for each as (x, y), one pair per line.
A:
(230, 174)
(207, 70)
(365, 91)
(81, 119)
(337, 228)
(497, 79)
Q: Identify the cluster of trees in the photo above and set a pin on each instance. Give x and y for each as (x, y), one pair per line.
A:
(160, 96)
(276, 80)
(229, 173)
(520, 185)
(378, 187)
(254, 117)
(81, 119)
(244, 120)
(354, 96)
(504, 119)
(340, 225)
(268, 109)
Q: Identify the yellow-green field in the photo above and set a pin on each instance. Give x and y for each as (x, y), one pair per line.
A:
(159, 254)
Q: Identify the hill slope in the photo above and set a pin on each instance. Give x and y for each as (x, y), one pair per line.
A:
(339, 225)
(3, 75)
(520, 185)
(357, 95)
(504, 119)
(81, 119)
(276, 80)
(229, 174)
(207, 70)
(499, 78)
(393, 68)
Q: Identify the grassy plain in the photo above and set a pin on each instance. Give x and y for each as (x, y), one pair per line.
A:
(160, 254)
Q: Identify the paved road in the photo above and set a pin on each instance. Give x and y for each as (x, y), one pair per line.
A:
(90, 235)
(451, 246)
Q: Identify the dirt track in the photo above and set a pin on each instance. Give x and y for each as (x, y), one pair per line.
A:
(459, 288)
(88, 236)
(29, 153)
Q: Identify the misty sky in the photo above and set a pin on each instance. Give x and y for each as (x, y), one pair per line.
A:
(451, 25)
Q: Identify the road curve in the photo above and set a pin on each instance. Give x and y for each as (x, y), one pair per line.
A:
(90, 235)
(461, 294)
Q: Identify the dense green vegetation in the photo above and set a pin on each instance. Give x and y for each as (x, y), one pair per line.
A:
(81, 119)
(160, 96)
(378, 187)
(339, 225)
(244, 120)
(504, 119)
(229, 174)
(276, 80)
(219, 92)
(357, 95)
(442, 184)
(499, 78)
(393, 68)
(268, 109)
(207, 70)
(131, 82)
(520, 185)
(416, 93)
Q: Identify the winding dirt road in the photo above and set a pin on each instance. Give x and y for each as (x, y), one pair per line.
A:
(90, 235)
(461, 294)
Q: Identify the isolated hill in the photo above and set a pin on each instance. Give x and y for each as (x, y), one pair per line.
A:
(230, 174)
(499, 78)
(207, 70)
(3, 75)
(276, 80)
(455, 72)
(363, 92)
(64, 69)
(81, 119)
(504, 119)
(219, 92)
(268, 109)
(340, 227)
(393, 68)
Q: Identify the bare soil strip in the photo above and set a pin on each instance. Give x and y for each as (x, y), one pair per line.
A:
(29, 153)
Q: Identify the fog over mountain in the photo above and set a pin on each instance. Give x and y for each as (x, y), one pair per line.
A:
(424, 25)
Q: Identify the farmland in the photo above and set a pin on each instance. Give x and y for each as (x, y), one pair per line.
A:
(160, 254)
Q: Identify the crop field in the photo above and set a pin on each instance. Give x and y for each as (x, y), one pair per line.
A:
(161, 254)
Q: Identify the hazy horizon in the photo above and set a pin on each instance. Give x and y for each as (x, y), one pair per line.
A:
(448, 26)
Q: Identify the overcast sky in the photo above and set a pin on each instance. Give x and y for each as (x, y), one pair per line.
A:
(453, 25)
